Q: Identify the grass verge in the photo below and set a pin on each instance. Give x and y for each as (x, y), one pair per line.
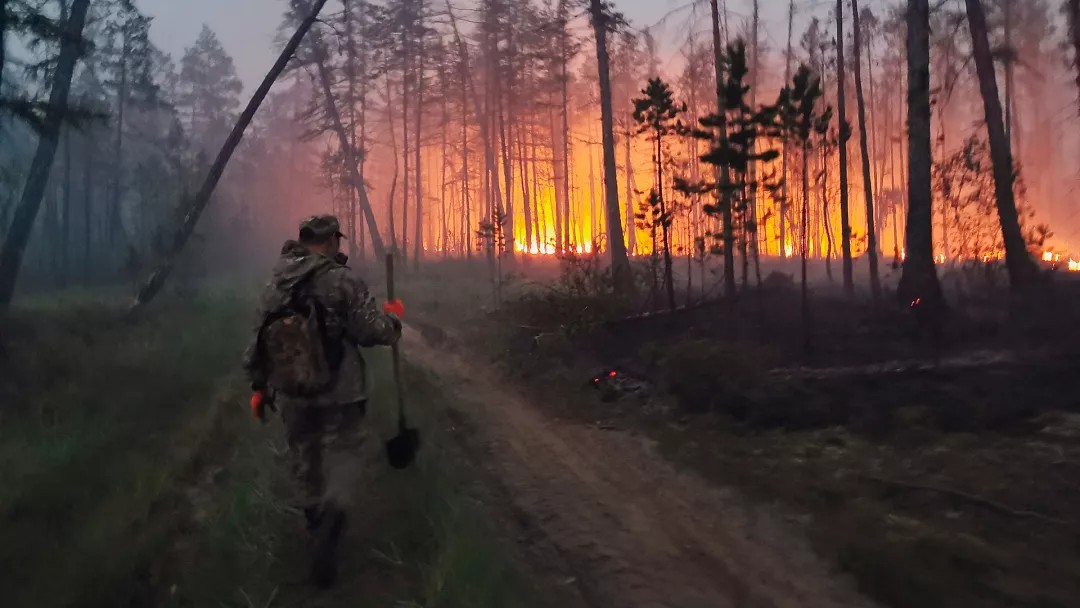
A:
(131, 475)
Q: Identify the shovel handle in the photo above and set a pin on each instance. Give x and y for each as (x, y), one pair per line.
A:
(395, 356)
(389, 276)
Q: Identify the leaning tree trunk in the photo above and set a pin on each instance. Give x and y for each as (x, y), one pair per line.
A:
(1023, 272)
(3, 35)
(156, 280)
(620, 264)
(350, 157)
(22, 223)
(1073, 9)
(868, 184)
(919, 280)
(845, 133)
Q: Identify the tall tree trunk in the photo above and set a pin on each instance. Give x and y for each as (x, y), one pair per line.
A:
(1009, 61)
(1072, 8)
(350, 79)
(88, 204)
(620, 264)
(631, 228)
(405, 199)
(724, 194)
(755, 191)
(845, 133)
(22, 222)
(1023, 273)
(868, 184)
(919, 281)
(526, 207)
(559, 177)
(3, 36)
(418, 221)
(804, 245)
(65, 237)
(564, 111)
(116, 193)
(490, 171)
(786, 150)
(669, 275)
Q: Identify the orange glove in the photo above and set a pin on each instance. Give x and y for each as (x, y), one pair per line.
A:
(258, 405)
(395, 307)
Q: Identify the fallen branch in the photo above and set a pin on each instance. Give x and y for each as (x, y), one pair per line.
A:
(981, 501)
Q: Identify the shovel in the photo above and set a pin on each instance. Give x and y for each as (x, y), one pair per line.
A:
(401, 450)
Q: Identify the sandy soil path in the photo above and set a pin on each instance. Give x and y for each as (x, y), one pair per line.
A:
(635, 531)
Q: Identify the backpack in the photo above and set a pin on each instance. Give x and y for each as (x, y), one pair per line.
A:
(293, 344)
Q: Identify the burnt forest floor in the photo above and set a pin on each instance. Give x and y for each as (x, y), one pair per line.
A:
(935, 473)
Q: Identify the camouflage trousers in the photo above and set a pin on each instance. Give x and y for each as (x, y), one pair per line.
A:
(325, 451)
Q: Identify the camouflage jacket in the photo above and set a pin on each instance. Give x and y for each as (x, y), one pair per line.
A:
(351, 318)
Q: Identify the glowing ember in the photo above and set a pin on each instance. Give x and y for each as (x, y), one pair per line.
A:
(1074, 266)
(1048, 256)
(940, 258)
(789, 250)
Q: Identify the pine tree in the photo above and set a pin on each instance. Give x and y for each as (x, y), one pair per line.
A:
(602, 20)
(1023, 272)
(919, 281)
(658, 115)
(209, 91)
(18, 233)
(805, 123)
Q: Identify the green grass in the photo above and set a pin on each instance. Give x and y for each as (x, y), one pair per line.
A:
(131, 474)
(417, 538)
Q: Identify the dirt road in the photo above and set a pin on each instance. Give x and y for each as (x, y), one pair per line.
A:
(634, 531)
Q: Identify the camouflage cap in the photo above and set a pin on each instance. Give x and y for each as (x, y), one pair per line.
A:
(320, 226)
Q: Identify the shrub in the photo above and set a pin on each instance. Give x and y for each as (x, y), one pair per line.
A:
(706, 375)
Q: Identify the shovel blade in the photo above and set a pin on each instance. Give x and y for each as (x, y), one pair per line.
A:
(401, 450)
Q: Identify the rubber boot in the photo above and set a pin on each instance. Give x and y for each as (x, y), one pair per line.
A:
(327, 537)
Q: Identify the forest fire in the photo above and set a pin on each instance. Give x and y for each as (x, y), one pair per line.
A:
(1058, 261)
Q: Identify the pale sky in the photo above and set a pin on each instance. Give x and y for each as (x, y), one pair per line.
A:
(247, 27)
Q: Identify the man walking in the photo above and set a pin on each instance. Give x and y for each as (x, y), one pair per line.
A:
(314, 315)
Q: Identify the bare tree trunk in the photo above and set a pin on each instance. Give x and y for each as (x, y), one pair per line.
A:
(3, 36)
(620, 264)
(919, 281)
(756, 190)
(116, 190)
(868, 185)
(65, 237)
(723, 195)
(418, 221)
(490, 170)
(845, 133)
(1023, 272)
(786, 150)
(526, 207)
(669, 278)
(22, 223)
(1073, 10)
(88, 205)
(804, 291)
(564, 106)
(631, 228)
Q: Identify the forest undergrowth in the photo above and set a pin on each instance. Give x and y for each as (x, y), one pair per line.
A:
(933, 475)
